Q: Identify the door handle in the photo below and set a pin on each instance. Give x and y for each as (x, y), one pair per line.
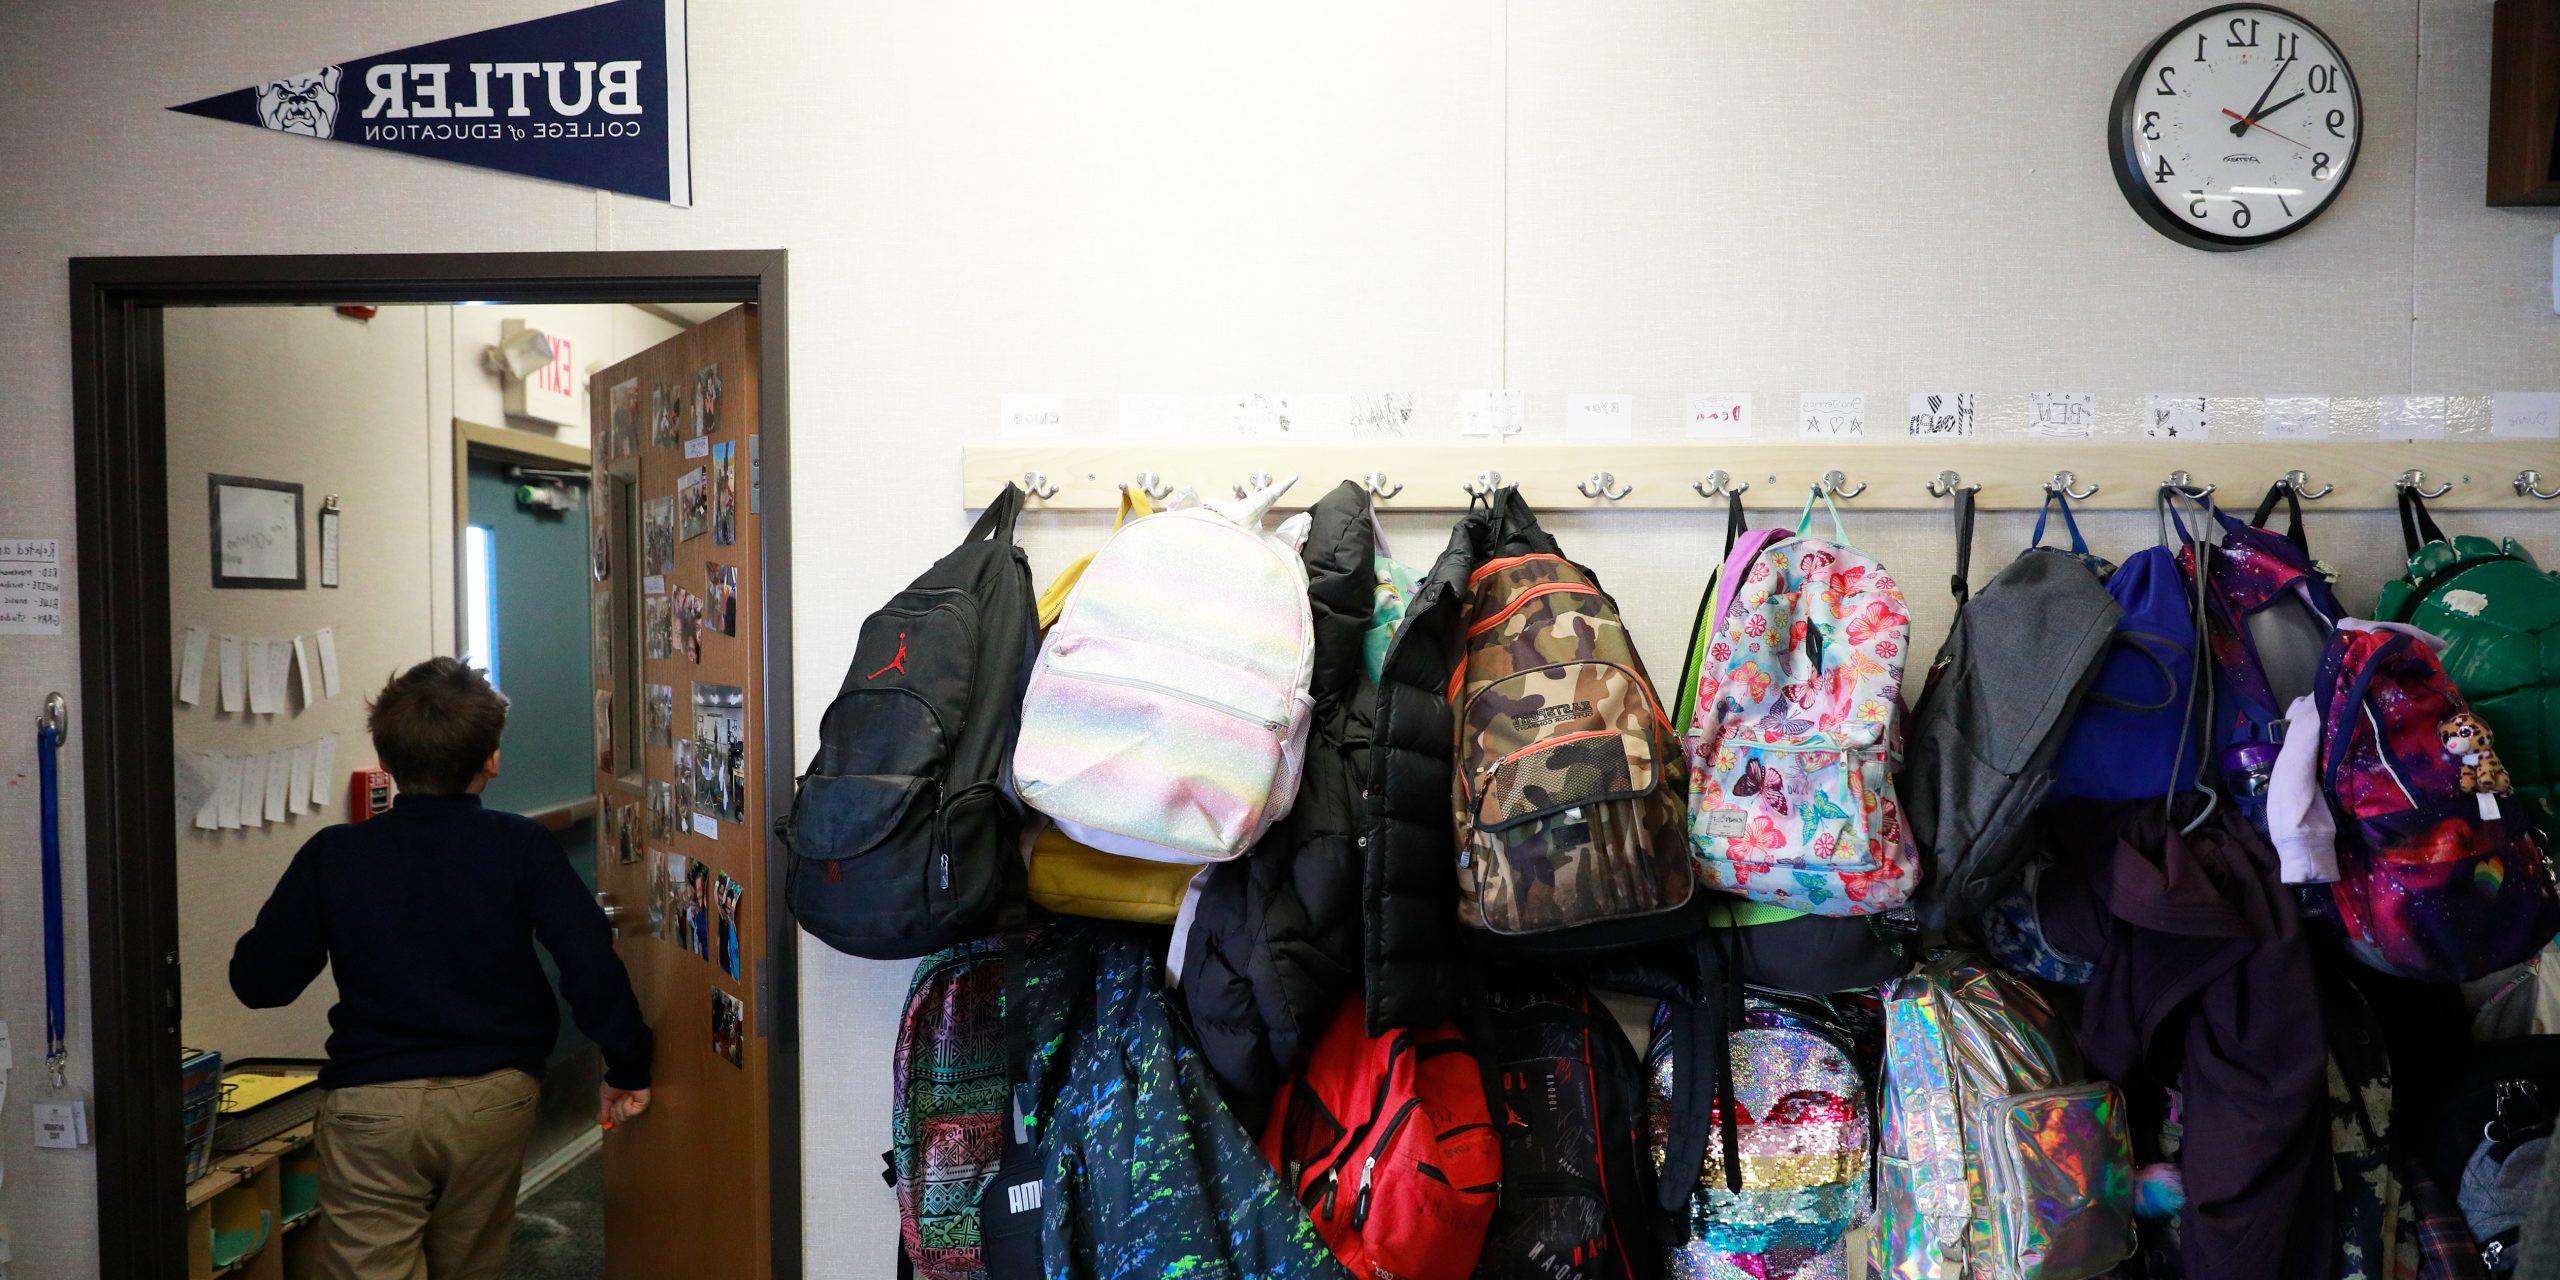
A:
(614, 914)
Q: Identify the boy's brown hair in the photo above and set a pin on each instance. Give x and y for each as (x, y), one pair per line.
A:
(435, 725)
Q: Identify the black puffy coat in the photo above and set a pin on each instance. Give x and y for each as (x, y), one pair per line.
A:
(1273, 938)
(1415, 960)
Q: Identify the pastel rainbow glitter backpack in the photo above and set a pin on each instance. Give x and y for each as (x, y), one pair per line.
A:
(1175, 738)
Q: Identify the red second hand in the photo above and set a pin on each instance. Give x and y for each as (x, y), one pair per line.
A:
(2255, 125)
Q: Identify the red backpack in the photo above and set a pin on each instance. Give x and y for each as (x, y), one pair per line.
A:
(1387, 1143)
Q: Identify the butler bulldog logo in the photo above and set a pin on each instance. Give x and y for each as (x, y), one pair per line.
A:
(306, 104)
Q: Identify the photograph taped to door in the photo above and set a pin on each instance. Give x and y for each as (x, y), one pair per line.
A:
(693, 505)
(622, 419)
(723, 606)
(600, 532)
(719, 780)
(725, 895)
(684, 616)
(604, 730)
(664, 403)
(706, 400)
(658, 714)
(670, 915)
(662, 894)
(683, 784)
(658, 538)
(600, 628)
(724, 493)
(657, 625)
(662, 810)
(728, 1027)
(697, 909)
(626, 833)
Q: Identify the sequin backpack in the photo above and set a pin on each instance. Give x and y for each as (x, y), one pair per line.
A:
(1997, 1154)
(1798, 729)
(1167, 715)
(947, 1099)
(2438, 875)
(1760, 1142)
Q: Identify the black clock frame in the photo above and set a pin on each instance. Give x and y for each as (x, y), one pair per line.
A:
(2135, 185)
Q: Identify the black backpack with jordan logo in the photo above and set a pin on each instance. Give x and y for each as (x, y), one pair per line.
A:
(905, 837)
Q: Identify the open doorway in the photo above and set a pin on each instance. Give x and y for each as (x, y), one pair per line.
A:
(401, 459)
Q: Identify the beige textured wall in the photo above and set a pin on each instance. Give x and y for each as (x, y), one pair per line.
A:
(1433, 195)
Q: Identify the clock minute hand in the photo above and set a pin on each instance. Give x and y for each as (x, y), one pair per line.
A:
(2254, 108)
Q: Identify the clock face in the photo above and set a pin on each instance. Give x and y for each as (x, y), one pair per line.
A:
(2237, 127)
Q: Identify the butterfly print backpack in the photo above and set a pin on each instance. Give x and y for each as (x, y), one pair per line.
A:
(1791, 797)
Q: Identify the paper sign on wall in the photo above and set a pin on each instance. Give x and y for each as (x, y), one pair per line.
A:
(1261, 415)
(191, 667)
(2175, 415)
(324, 763)
(235, 697)
(1599, 417)
(1150, 415)
(1031, 416)
(2296, 418)
(1492, 413)
(327, 640)
(1941, 413)
(2413, 417)
(2062, 413)
(30, 587)
(1831, 415)
(1718, 415)
(2525, 415)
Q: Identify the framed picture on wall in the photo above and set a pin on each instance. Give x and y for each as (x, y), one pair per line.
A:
(256, 532)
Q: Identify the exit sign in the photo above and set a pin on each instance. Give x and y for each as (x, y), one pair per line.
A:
(550, 394)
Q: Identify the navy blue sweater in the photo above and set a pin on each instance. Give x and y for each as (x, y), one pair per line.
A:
(428, 915)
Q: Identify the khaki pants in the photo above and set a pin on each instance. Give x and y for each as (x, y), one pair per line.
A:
(418, 1178)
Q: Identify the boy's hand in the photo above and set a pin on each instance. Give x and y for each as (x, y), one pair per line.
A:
(614, 1106)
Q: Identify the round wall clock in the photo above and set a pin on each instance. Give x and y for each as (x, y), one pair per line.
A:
(2237, 127)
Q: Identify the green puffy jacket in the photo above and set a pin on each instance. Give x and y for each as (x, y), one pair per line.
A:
(2499, 615)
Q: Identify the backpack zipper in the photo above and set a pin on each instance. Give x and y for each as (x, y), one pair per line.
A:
(1481, 625)
(1351, 1140)
(1277, 728)
(1467, 788)
(1369, 1167)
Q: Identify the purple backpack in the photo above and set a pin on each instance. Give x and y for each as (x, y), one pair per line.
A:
(2131, 739)
(2268, 616)
(2438, 875)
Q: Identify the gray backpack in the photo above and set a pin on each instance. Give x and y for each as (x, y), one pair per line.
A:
(1992, 716)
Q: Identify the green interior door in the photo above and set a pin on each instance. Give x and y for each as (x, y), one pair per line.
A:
(536, 603)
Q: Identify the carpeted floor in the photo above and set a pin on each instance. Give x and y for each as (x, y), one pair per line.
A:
(560, 1229)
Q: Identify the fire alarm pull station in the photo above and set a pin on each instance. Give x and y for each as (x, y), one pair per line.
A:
(368, 794)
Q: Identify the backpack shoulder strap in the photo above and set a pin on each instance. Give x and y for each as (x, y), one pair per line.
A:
(1053, 601)
(1704, 626)
(2280, 491)
(1962, 584)
(2417, 528)
(996, 523)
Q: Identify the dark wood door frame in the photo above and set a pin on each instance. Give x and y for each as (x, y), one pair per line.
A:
(120, 460)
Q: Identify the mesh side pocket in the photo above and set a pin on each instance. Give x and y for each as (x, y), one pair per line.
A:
(1563, 773)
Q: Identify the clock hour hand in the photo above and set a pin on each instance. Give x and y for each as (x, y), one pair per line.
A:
(2255, 108)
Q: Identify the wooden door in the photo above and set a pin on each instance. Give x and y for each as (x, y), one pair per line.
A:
(678, 662)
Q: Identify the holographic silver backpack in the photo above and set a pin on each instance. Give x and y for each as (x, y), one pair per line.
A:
(1998, 1154)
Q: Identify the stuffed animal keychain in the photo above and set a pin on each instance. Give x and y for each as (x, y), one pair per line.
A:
(2467, 739)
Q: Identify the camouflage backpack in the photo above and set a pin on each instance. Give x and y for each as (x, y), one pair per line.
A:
(1570, 787)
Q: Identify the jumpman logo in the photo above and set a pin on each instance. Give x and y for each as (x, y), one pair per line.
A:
(897, 664)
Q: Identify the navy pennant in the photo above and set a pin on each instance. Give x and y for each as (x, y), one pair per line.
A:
(594, 97)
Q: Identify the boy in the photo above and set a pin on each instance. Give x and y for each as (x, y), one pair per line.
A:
(428, 915)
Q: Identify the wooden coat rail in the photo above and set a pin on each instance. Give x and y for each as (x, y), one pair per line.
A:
(1873, 475)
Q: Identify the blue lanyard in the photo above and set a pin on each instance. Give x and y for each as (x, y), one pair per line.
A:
(48, 745)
